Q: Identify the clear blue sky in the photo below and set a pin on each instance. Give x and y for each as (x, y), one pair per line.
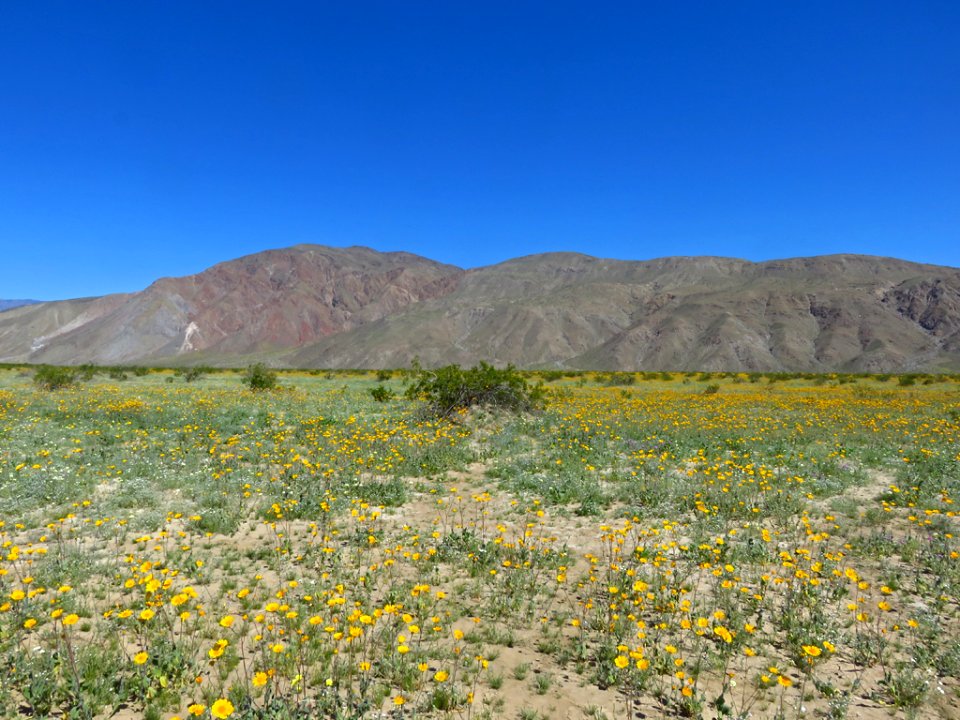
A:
(142, 139)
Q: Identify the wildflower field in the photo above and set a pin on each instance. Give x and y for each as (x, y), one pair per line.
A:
(685, 546)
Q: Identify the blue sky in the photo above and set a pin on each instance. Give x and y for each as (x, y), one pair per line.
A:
(144, 139)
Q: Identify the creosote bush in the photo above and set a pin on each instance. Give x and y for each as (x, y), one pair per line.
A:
(381, 393)
(259, 377)
(48, 377)
(451, 388)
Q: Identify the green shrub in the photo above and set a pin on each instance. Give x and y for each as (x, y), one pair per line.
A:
(194, 373)
(451, 388)
(381, 393)
(259, 377)
(49, 377)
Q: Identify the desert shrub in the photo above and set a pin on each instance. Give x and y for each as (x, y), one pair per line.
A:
(259, 377)
(49, 377)
(384, 375)
(195, 372)
(618, 378)
(451, 388)
(381, 393)
(85, 372)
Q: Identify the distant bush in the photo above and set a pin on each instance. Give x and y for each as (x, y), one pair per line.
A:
(614, 379)
(48, 377)
(711, 389)
(194, 373)
(259, 377)
(384, 375)
(451, 388)
(85, 372)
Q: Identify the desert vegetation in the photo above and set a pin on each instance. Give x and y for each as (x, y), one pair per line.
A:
(613, 545)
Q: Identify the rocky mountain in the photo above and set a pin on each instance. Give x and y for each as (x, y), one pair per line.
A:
(314, 306)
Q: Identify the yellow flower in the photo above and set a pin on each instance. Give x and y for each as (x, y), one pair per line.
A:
(196, 709)
(221, 709)
(217, 649)
(440, 676)
(259, 679)
(29, 623)
(784, 680)
(227, 620)
(71, 619)
(621, 661)
(140, 658)
(812, 650)
(146, 614)
(17, 595)
(399, 700)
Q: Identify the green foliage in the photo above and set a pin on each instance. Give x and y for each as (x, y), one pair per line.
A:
(49, 377)
(259, 377)
(86, 372)
(381, 393)
(195, 372)
(451, 388)
(617, 378)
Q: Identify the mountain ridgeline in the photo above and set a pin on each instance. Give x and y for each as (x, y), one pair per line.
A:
(316, 306)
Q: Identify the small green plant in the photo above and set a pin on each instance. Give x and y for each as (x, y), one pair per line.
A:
(542, 683)
(259, 377)
(49, 377)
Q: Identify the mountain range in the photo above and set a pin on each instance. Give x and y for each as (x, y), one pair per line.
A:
(317, 306)
(10, 304)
